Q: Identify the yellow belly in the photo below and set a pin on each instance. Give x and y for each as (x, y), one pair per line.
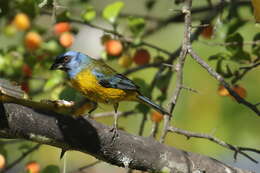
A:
(87, 84)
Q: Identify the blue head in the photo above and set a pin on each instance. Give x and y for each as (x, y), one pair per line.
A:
(71, 62)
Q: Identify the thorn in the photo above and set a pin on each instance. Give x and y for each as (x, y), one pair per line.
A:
(63, 151)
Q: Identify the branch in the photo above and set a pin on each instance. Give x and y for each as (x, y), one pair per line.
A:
(91, 137)
(218, 77)
(179, 66)
(236, 149)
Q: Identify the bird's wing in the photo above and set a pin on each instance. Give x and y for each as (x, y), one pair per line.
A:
(109, 78)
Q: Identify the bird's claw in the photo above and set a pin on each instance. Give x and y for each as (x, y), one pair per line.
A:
(114, 131)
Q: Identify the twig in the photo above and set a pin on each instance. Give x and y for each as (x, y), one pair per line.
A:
(141, 128)
(244, 72)
(189, 89)
(43, 3)
(249, 43)
(135, 69)
(218, 77)
(251, 66)
(128, 40)
(108, 114)
(18, 160)
(179, 66)
(234, 148)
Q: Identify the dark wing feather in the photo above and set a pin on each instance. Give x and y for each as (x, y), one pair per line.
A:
(117, 81)
(109, 78)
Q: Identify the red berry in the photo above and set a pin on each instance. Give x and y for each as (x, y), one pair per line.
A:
(27, 71)
(141, 57)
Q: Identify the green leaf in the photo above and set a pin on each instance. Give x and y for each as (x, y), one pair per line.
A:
(218, 56)
(144, 87)
(256, 46)
(89, 13)
(149, 4)
(52, 82)
(29, 7)
(164, 80)
(241, 57)
(51, 169)
(136, 25)
(234, 25)
(63, 17)
(111, 11)
(234, 43)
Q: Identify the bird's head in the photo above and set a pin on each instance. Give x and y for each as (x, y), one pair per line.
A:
(71, 62)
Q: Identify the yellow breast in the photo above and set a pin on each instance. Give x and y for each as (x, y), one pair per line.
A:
(87, 83)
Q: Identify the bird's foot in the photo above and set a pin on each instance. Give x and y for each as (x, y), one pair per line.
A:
(114, 131)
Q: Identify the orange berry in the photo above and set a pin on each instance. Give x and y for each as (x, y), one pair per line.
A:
(33, 40)
(125, 61)
(66, 39)
(113, 47)
(222, 91)
(156, 116)
(207, 32)
(2, 161)
(27, 71)
(240, 91)
(32, 167)
(22, 21)
(61, 27)
(141, 57)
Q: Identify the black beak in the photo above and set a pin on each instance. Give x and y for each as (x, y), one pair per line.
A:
(56, 66)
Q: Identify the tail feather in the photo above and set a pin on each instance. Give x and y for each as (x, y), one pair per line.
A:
(150, 103)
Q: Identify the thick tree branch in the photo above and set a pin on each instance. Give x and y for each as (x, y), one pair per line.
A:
(88, 136)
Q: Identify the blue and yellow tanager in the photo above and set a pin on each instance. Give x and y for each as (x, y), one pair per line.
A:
(99, 82)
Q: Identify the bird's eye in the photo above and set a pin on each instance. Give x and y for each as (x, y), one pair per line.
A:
(66, 59)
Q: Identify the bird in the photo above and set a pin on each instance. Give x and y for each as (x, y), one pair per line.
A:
(100, 83)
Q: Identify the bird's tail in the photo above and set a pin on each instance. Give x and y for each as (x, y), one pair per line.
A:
(150, 103)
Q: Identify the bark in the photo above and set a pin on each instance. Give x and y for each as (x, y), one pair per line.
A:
(88, 136)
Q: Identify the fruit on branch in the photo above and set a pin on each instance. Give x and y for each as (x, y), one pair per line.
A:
(207, 32)
(32, 40)
(156, 117)
(2, 161)
(27, 71)
(25, 86)
(66, 39)
(61, 27)
(113, 47)
(125, 61)
(141, 57)
(222, 91)
(32, 167)
(22, 21)
(241, 91)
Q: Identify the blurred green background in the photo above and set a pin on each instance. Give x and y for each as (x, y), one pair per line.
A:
(203, 112)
